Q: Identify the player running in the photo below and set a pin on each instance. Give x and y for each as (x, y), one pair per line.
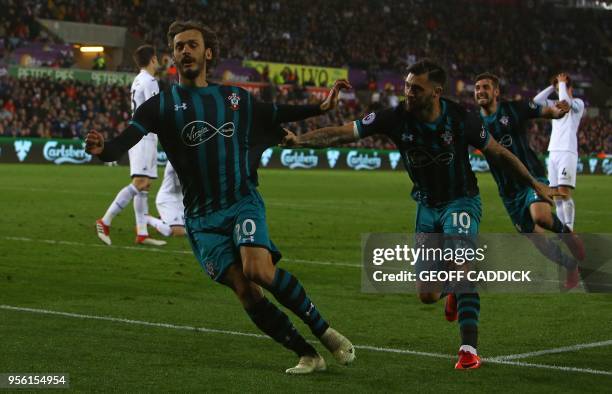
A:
(143, 158)
(433, 133)
(563, 145)
(506, 121)
(214, 136)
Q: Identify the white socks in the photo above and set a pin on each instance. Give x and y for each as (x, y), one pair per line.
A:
(161, 226)
(141, 209)
(566, 211)
(122, 199)
(559, 211)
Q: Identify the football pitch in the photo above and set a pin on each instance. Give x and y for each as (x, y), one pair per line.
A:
(131, 318)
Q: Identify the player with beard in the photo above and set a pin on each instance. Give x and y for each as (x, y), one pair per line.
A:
(506, 121)
(214, 136)
(433, 134)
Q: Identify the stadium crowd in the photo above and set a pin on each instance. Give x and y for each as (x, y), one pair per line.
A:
(531, 40)
(62, 109)
(523, 54)
(47, 108)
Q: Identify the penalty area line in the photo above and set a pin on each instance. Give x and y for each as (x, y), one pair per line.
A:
(563, 349)
(493, 360)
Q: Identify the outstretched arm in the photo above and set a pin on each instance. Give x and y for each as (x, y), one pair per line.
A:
(326, 136)
(494, 152)
(275, 114)
(145, 119)
(374, 123)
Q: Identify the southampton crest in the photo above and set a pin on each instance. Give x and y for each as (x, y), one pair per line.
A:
(234, 100)
(447, 136)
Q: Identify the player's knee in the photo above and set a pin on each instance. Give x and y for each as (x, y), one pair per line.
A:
(248, 293)
(143, 184)
(567, 191)
(428, 298)
(257, 272)
(540, 223)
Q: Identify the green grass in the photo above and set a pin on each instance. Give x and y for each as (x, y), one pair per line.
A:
(315, 216)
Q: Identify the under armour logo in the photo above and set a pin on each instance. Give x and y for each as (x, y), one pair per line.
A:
(407, 137)
(182, 106)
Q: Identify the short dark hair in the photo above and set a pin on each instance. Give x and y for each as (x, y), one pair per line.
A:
(209, 35)
(487, 75)
(143, 55)
(553, 81)
(434, 71)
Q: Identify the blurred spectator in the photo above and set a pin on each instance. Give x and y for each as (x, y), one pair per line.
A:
(99, 62)
(66, 109)
(516, 40)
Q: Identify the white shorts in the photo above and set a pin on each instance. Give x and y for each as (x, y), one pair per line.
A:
(143, 158)
(562, 168)
(171, 212)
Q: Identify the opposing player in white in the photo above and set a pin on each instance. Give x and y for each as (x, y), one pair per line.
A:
(169, 202)
(563, 146)
(143, 157)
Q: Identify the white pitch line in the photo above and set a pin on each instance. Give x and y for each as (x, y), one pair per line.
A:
(546, 366)
(188, 252)
(252, 335)
(158, 250)
(563, 349)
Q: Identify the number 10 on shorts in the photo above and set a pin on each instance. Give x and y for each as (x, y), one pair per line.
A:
(245, 231)
(463, 220)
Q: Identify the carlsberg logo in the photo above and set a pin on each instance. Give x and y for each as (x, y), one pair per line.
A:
(60, 154)
(363, 161)
(295, 159)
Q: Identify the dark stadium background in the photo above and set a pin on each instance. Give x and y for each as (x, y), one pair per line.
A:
(524, 42)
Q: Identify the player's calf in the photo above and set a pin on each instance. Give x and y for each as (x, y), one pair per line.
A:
(271, 320)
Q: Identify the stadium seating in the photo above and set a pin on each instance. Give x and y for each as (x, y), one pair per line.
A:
(525, 51)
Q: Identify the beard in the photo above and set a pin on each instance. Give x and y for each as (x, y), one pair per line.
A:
(483, 101)
(193, 72)
(420, 105)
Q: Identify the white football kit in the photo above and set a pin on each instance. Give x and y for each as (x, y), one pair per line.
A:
(563, 145)
(169, 200)
(143, 155)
